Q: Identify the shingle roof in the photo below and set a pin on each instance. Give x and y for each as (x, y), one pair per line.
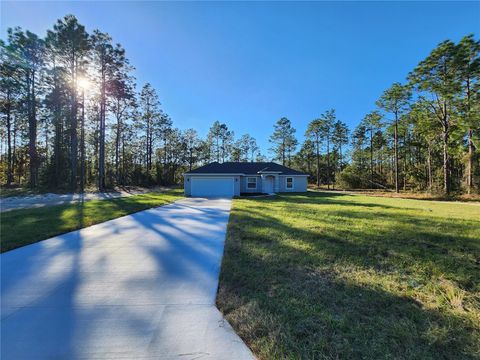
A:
(248, 168)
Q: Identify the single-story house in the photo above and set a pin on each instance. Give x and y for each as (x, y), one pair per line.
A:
(235, 178)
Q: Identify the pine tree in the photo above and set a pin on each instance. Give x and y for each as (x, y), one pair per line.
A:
(314, 132)
(395, 100)
(71, 44)
(437, 82)
(30, 50)
(283, 140)
(150, 107)
(10, 90)
(372, 123)
(468, 50)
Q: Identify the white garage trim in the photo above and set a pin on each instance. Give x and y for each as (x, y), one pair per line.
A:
(209, 186)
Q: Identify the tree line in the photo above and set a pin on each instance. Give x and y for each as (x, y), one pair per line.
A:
(423, 135)
(72, 117)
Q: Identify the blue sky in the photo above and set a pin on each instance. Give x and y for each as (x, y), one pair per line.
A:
(249, 63)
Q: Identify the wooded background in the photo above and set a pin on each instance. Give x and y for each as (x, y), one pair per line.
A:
(72, 118)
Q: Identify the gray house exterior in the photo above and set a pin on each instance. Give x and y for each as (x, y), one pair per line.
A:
(235, 178)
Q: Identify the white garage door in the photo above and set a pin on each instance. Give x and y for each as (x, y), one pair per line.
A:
(212, 186)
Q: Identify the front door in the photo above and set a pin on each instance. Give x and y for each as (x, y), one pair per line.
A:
(268, 185)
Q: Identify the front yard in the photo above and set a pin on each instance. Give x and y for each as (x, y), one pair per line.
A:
(334, 276)
(26, 226)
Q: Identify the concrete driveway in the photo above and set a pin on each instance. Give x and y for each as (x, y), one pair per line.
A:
(139, 287)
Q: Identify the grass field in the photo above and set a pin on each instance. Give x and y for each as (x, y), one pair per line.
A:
(7, 192)
(334, 276)
(26, 226)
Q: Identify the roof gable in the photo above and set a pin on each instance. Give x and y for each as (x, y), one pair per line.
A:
(248, 168)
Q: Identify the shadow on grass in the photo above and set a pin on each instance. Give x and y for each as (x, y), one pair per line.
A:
(312, 314)
(329, 198)
(286, 286)
(26, 226)
(413, 242)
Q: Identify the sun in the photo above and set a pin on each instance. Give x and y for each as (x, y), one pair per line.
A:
(83, 83)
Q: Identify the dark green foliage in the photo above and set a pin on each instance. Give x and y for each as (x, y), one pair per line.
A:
(353, 178)
(73, 119)
(428, 136)
(60, 134)
(283, 141)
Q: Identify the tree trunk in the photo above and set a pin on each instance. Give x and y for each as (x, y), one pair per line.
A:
(101, 150)
(328, 163)
(165, 156)
(146, 146)
(396, 152)
(9, 142)
(190, 162)
(47, 150)
(101, 140)
(32, 129)
(82, 146)
(14, 149)
(73, 130)
(122, 177)
(470, 142)
(58, 127)
(405, 162)
(117, 145)
(371, 158)
(223, 150)
(340, 155)
(446, 161)
(150, 146)
(429, 166)
(318, 163)
(470, 161)
(334, 170)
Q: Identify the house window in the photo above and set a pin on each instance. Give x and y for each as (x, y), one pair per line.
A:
(289, 182)
(251, 183)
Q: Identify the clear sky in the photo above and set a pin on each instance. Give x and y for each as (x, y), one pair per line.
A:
(249, 63)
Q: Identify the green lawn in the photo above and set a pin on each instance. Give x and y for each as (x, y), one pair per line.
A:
(334, 276)
(23, 227)
(8, 192)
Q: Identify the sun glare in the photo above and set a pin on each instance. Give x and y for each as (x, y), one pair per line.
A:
(83, 83)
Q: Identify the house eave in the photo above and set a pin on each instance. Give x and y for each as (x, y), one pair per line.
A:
(242, 174)
(214, 174)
